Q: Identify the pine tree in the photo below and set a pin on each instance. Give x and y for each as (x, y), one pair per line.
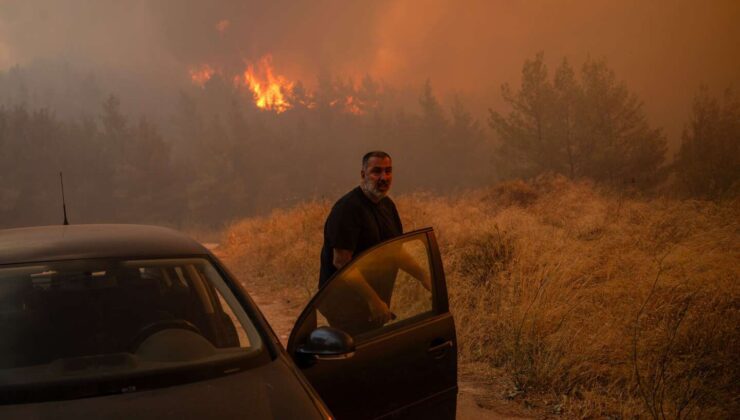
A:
(526, 133)
(592, 127)
(708, 162)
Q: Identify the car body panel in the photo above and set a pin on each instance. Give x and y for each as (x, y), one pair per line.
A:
(257, 392)
(405, 371)
(269, 391)
(73, 242)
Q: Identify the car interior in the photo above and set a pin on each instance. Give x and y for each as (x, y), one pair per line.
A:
(69, 311)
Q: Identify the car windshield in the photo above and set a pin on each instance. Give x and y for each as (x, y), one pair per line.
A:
(96, 319)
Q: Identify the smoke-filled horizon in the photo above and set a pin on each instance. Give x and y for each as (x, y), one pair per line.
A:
(194, 113)
(663, 51)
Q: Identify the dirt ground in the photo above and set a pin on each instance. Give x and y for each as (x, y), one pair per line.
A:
(478, 398)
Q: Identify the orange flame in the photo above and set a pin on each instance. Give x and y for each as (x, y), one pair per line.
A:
(350, 105)
(202, 74)
(269, 90)
(274, 92)
(353, 106)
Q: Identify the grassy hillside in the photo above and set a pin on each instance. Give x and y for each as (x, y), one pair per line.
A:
(587, 301)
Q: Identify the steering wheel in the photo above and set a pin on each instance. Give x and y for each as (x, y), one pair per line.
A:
(166, 324)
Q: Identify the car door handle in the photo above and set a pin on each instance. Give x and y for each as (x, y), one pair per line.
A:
(441, 347)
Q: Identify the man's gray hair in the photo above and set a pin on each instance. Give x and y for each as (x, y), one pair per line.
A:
(375, 153)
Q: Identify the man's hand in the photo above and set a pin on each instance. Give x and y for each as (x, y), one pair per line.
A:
(409, 264)
(341, 257)
(379, 311)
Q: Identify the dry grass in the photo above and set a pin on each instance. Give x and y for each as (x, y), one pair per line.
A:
(279, 252)
(593, 303)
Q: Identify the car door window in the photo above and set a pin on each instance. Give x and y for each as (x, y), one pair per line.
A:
(397, 274)
(405, 367)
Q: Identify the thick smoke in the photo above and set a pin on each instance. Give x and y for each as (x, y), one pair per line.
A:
(436, 67)
(662, 50)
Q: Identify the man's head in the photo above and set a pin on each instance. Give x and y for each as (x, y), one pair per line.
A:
(377, 174)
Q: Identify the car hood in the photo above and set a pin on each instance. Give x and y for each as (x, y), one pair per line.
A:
(271, 391)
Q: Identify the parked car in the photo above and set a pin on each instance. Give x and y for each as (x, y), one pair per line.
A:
(129, 321)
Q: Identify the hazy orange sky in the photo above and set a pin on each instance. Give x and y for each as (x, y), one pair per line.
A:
(662, 50)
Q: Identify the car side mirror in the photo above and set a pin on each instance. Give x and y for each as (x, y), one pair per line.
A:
(327, 343)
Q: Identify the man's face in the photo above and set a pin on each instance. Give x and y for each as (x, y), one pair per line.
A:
(377, 177)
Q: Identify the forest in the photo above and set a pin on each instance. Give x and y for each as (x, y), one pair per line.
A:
(214, 156)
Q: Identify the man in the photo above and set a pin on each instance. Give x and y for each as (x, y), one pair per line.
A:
(361, 219)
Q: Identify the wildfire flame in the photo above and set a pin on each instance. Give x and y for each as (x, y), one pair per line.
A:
(352, 106)
(349, 104)
(269, 90)
(202, 74)
(274, 92)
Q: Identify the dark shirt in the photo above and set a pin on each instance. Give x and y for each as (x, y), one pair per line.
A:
(356, 223)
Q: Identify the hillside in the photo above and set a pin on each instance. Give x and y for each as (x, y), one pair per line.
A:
(573, 299)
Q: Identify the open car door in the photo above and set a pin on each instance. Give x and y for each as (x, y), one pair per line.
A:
(364, 367)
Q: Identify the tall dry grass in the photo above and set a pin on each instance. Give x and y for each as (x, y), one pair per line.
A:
(602, 304)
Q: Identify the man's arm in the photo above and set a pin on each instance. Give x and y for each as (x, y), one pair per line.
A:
(378, 308)
(408, 264)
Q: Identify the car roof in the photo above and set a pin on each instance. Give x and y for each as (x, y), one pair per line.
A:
(70, 242)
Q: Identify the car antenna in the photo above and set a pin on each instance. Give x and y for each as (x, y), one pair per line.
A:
(64, 205)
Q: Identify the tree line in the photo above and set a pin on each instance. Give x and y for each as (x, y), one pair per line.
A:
(587, 124)
(217, 157)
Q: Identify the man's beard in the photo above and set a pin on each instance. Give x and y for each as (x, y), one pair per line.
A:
(373, 191)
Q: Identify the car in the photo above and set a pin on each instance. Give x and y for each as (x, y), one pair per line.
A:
(132, 321)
